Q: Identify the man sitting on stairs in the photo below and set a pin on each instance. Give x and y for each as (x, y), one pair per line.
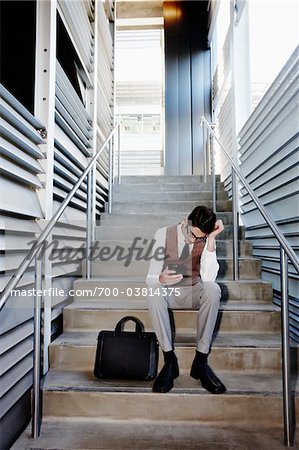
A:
(190, 250)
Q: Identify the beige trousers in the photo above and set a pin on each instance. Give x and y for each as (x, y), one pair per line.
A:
(204, 297)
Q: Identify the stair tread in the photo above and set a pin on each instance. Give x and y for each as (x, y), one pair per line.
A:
(189, 191)
(139, 305)
(136, 279)
(148, 435)
(222, 340)
(222, 258)
(161, 216)
(174, 202)
(166, 179)
(142, 228)
(237, 382)
(220, 186)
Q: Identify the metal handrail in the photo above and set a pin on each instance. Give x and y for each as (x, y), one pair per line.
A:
(286, 252)
(44, 234)
(278, 234)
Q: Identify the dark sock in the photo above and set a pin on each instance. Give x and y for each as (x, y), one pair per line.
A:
(170, 357)
(201, 358)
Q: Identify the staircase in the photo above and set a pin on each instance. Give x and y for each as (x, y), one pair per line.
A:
(81, 412)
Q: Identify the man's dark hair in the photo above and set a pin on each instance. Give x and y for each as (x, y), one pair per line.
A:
(203, 218)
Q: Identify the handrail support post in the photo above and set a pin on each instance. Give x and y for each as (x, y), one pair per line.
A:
(88, 224)
(213, 170)
(206, 154)
(119, 153)
(286, 354)
(111, 163)
(36, 391)
(235, 225)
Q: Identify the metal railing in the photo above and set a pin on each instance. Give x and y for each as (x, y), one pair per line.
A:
(33, 253)
(286, 253)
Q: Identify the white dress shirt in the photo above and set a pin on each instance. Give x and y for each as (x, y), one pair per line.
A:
(208, 264)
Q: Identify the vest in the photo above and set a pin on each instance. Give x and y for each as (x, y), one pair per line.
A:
(191, 265)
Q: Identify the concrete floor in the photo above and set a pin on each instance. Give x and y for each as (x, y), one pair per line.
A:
(150, 435)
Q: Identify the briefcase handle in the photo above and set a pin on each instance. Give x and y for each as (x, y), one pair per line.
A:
(139, 329)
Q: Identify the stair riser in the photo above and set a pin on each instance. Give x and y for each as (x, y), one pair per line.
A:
(179, 207)
(72, 357)
(130, 232)
(147, 197)
(185, 179)
(185, 321)
(88, 290)
(152, 220)
(248, 269)
(164, 187)
(250, 410)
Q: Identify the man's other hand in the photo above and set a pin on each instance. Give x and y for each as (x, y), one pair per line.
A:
(212, 236)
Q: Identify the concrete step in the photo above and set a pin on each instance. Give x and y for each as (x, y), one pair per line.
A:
(142, 179)
(235, 352)
(166, 187)
(178, 207)
(246, 320)
(154, 220)
(147, 231)
(103, 288)
(139, 434)
(250, 398)
(249, 268)
(148, 197)
(236, 383)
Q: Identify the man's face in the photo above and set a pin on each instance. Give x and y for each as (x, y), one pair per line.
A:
(192, 234)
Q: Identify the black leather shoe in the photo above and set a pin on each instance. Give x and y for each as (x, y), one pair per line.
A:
(208, 379)
(164, 381)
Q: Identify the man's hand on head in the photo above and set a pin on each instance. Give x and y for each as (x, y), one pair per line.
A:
(219, 227)
(170, 277)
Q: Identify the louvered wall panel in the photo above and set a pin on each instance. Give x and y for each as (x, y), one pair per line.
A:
(10, 398)
(269, 158)
(73, 145)
(20, 168)
(104, 104)
(20, 207)
(67, 95)
(80, 30)
(225, 130)
(105, 75)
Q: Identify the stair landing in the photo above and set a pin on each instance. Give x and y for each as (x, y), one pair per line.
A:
(153, 435)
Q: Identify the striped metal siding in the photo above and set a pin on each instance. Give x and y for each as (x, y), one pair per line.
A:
(78, 16)
(72, 146)
(269, 158)
(74, 132)
(20, 207)
(222, 104)
(105, 102)
(225, 130)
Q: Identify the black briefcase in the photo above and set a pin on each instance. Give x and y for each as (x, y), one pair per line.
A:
(127, 355)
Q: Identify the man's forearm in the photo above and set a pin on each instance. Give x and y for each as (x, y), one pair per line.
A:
(211, 246)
